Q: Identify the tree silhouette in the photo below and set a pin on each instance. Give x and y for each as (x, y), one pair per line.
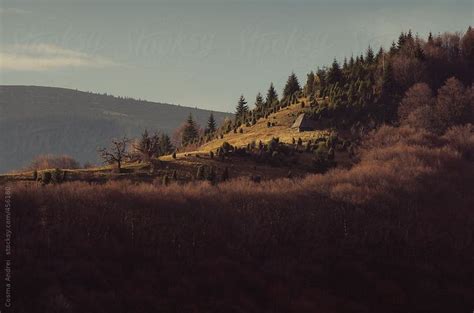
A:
(211, 124)
(116, 153)
(369, 56)
(292, 86)
(165, 145)
(334, 74)
(272, 96)
(148, 146)
(259, 103)
(241, 109)
(190, 132)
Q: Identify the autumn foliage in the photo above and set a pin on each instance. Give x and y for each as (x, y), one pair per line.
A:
(391, 234)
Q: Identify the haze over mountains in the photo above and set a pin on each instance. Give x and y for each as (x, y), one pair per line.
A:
(46, 120)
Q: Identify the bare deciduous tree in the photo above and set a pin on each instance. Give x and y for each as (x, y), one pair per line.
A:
(116, 153)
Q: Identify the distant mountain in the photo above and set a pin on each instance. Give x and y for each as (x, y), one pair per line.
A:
(45, 120)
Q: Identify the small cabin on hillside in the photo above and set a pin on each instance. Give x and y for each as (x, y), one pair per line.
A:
(304, 123)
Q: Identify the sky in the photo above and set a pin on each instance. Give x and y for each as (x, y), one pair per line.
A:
(200, 53)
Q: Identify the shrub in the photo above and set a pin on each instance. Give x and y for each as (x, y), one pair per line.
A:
(331, 154)
(225, 174)
(256, 178)
(45, 177)
(211, 175)
(49, 161)
(165, 180)
(56, 176)
(200, 172)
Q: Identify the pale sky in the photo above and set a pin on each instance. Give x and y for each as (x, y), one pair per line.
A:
(200, 53)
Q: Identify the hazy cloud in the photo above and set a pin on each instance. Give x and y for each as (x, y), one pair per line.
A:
(5, 11)
(37, 57)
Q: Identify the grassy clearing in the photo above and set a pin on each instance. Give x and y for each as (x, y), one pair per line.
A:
(283, 120)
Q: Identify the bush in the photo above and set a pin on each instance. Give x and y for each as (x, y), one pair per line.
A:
(49, 161)
(165, 180)
(255, 178)
(331, 154)
(56, 176)
(45, 177)
(225, 174)
(200, 172)
(211, 175)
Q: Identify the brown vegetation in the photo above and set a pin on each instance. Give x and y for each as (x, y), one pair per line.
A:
(394, 233)
(53, 161)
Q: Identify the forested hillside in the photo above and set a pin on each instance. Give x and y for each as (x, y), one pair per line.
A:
(44, 120)
(364, 91)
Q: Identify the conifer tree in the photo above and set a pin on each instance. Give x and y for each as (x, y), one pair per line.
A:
(334, 74)
(393, 48)
(292, 86)
(401, 40)
(272, 96)
(310, 87)
(211, 124)
(380, 54)
(259, 103)
(190, 132)
(430, 38)
(241, 109)
(369, 55)
(165, 145)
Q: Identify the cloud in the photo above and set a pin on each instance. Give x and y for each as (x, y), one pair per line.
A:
(13, 11)
(40, 57)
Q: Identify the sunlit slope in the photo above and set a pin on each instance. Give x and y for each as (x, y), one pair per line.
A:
(282, 122)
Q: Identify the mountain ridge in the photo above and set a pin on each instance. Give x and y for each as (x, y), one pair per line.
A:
(78, 121)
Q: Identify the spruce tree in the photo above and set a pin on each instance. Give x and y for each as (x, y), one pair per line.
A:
(430, 39)
(370, 55)
(401, 40)
(393, 48)
(165, 145)
(272, 96)
(190, 132)
(241, 109)
(211, 124)
(292, 86)
(379, 54)
(259, 104)
(310, 87)
(334, 74)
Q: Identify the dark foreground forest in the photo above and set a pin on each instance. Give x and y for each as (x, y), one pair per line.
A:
(392, 234)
